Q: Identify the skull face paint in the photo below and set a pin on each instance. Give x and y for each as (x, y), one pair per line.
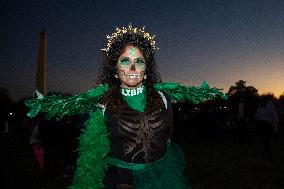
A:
(131, 67)
(132, 51)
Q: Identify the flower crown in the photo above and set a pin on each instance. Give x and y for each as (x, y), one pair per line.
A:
(118, 35)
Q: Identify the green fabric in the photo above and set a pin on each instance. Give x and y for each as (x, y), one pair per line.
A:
(94, 146)
(137, 101)
(165, 173)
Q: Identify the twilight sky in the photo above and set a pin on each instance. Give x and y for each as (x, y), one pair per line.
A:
(218, 41)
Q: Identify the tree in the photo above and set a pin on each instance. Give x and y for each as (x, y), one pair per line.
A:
(267, 97)
(246, 94)
(240, 90)
(281, 98)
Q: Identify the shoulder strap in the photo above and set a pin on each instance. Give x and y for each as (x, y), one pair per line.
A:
(103, 107)
(164, 99)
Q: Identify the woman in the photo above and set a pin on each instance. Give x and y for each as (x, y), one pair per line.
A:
(127, 140)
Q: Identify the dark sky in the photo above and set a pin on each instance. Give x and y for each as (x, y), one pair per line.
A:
(217, 41)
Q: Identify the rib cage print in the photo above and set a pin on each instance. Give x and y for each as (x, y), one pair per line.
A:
(146, 135)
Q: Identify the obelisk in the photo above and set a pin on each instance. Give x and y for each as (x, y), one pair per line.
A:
(40, 76)
(40, 86)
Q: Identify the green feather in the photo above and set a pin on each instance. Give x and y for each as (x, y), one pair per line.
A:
(94, 147)
(60, 106)
(181, 93)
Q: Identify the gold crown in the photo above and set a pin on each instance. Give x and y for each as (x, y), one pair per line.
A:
(119, 32)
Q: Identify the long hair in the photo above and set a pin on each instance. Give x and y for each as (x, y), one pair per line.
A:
(108, 70)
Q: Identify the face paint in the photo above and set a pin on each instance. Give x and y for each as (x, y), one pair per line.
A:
(140, 63)
(132, 51)
(131, 67)
(124, 61)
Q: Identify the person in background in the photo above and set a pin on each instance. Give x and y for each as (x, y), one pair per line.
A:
(267, 122)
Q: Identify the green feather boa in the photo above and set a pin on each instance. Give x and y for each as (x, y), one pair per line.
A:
(94, 143)
(181, 93)
(94, 147)
(60, 106)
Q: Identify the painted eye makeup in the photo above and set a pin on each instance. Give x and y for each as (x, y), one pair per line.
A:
(140, 62)
(124, 61)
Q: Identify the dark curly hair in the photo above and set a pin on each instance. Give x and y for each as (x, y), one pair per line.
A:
(108, 69)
